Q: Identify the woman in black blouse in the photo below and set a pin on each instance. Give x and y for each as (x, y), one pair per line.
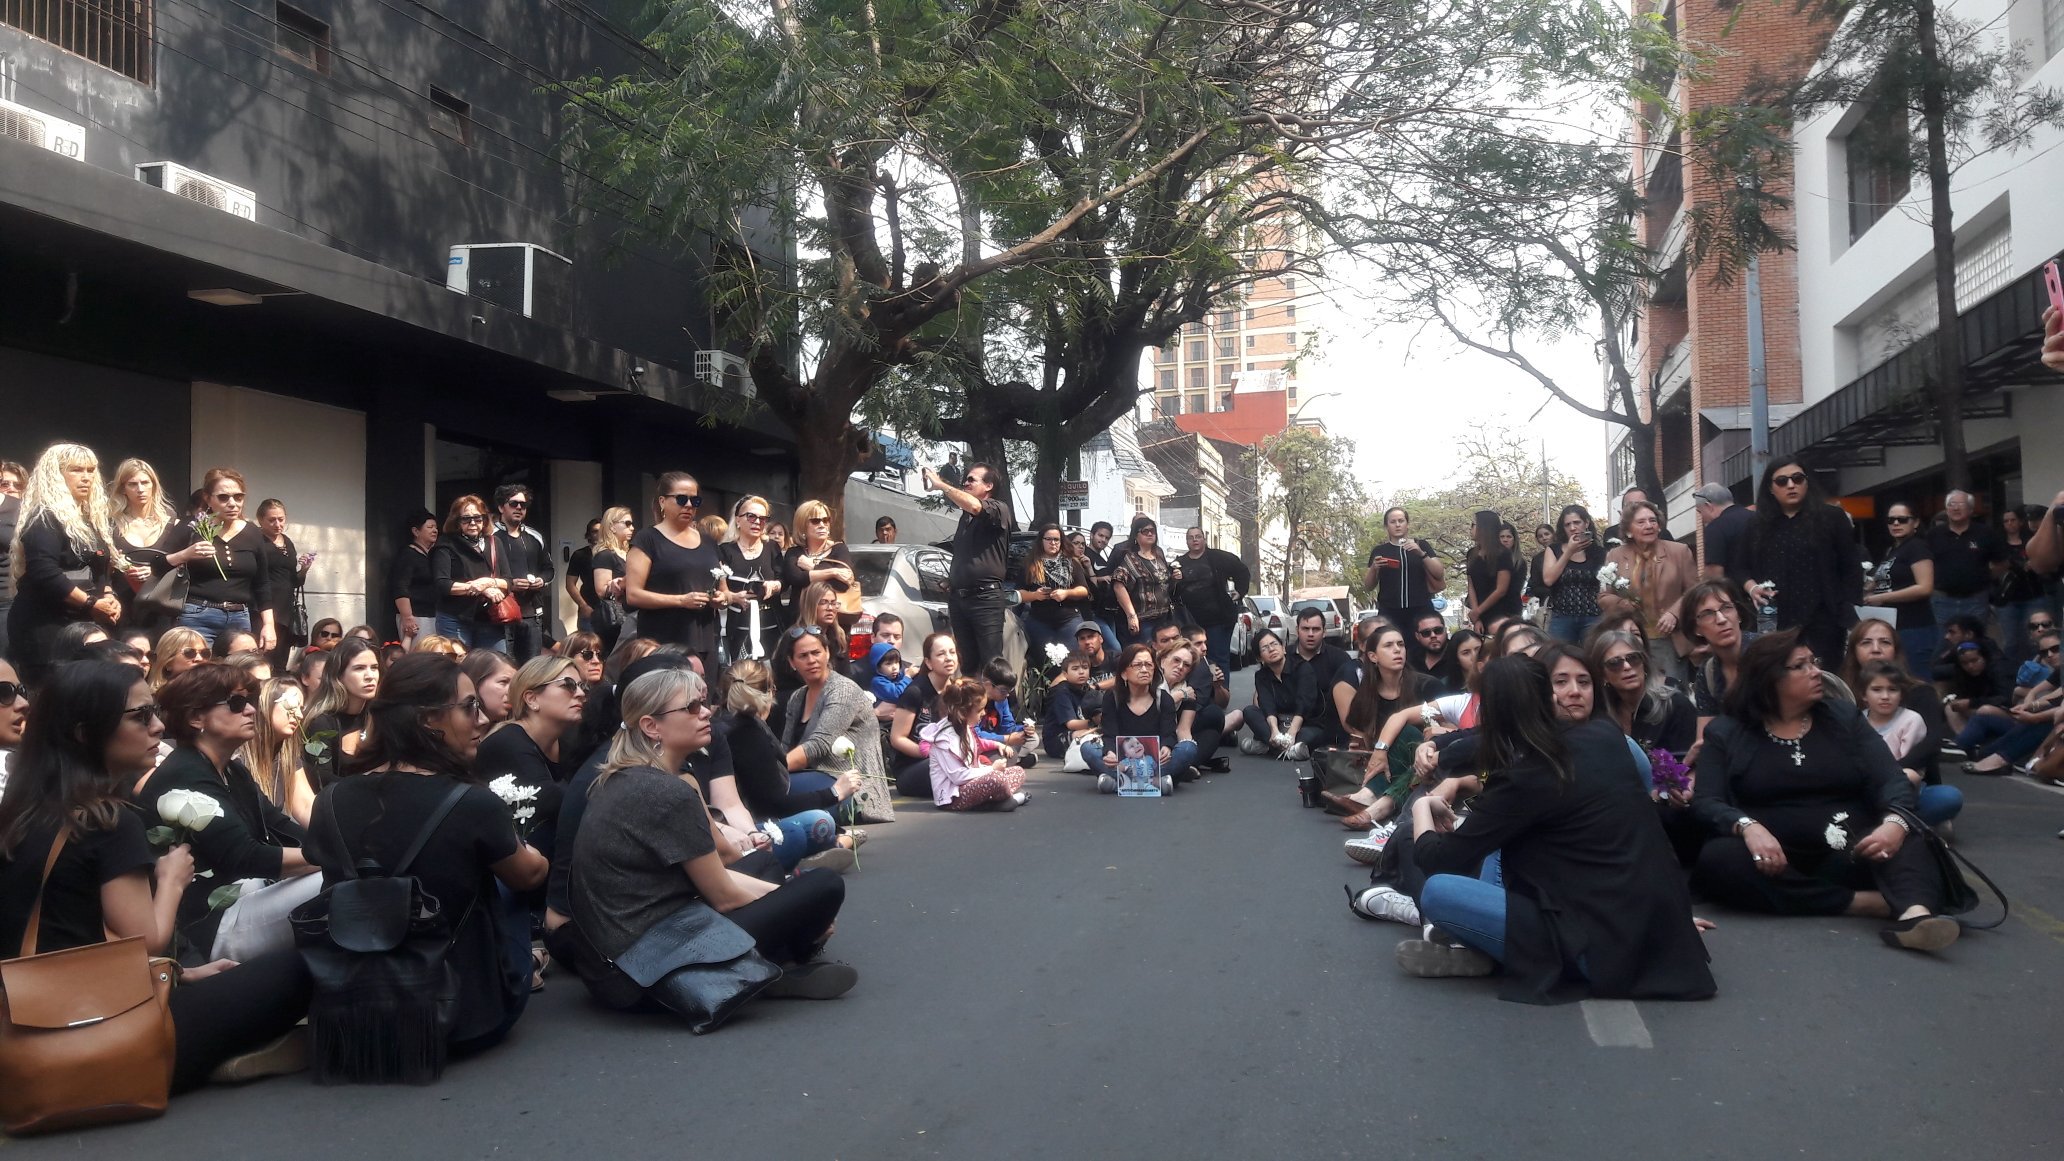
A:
(1055, 588)
(1807, 809)
(1146, 579)
(62, 558)
(95, 731)
(412, 582)
(755, 569)
(211, 714)
(1904, 582)
(144, 526)
(670, 573)
(606, 576)
(1493, 578)
(229, 585)
(335, 724)
(286, 569)
(1286, 700)
(1801, 552)
(815, 558)
(462, 567)
(546, 701)
(1140, 708)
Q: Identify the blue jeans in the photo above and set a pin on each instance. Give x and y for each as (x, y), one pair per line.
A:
(1939, 804)
(214, 624)
(1218, 647)
(473, 634)
(1039, 634)
(1946, 606)
(803, 835)
(1570, 628)
(1471, 910)
(1988, 734)
(1175, 763)
(1919, 646)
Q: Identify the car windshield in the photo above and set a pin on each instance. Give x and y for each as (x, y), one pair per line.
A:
(1264, 604)
(873, 570)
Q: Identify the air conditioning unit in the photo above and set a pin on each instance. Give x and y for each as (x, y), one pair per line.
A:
(724, 370)
(195, 186)
(521, 276)
(42, 130)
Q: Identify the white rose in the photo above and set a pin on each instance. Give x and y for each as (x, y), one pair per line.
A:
(843, 749)
(188, 809)
(1056, 653)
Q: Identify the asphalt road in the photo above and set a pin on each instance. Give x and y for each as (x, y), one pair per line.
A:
(1092, 977)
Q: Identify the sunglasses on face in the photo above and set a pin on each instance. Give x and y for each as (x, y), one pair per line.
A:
(142, 714)
(1625, 661)
(229, 497)
(755, 517)
(697, 707)
(328, 635)
(818, 520)
(237, 703)
(2049, 651)
(1431, 632)
(1899, 519)
(12, 691)
(571, 684)
(2039, 626)
(685, 500)
(471, 518)
(194, 654)
(587, 655)
(470, 705)
(1788, 480)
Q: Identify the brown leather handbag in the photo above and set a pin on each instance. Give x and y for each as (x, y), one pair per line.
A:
(85, 1034)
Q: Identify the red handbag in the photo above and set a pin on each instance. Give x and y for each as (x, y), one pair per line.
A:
(504, 611)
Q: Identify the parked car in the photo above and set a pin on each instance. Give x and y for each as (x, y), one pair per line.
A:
(1257, 612)
(1336, 623)
(910, 580)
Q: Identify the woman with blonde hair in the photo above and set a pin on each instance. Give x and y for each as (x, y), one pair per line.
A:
(179, 650)
(63, 556)
(442, 646)
(606, 578)
(545, 703)
(814, 558)
(759, 793)
(143, 524)
(274, 753)
(753, 585)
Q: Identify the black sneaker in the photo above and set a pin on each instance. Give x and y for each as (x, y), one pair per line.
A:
(820, 979)
(1216, 764)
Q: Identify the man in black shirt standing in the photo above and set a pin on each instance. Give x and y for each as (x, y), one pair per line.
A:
(981, 551)
(1725, 523)
(1213, 582)
(521, 556)
(1968, 555)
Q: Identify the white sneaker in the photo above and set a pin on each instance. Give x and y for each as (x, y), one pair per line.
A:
(1022, 798)
(1167, 785)
(1367, 849)
(1296, 752)
(1254, 746)
(1387, 903)
(1107, 784)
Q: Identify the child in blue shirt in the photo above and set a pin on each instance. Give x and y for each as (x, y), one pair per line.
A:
(999, 729)
(885, 661)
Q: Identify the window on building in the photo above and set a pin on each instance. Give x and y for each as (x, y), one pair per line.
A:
(1250, 366)
(301, 38)
(1290, 311)
(1225, 401)
(1250, 342)
(1225, 374)
(1225, 347)
(1197, 402)
(1168, 406)
(1290, 283)
(1196, 350)
(1168, 380)
(1196, 376)
(1878, 152)
(1291, 389)
(1223, 320)
(1251, 312)
(114, 34)
(450, 116)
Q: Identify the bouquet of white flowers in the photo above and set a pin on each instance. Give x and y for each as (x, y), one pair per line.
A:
(1612, 584)
(522, 802)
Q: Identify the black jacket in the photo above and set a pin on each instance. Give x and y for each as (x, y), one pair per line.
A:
(523, 554)
(455, 560)
(245, 843)
(1591, 858)
(1295, 694)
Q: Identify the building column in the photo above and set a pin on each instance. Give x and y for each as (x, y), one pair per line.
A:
(397, 480)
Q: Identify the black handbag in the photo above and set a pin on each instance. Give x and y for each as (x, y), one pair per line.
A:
(165, 595)
(386, 996)
(698, 965)
(1958, 896)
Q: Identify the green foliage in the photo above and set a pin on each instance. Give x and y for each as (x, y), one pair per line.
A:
(1316, 498)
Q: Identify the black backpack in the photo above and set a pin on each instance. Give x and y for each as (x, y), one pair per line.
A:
(385, 999)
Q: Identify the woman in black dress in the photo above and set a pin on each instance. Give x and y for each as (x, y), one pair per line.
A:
(815, 558)
(1801, 552)
(1807, 809)
(286, 570)
(412, 582)
(1904, 582)
(144, 525)
(670, 574)
(94, 732)
(62, 560)
(229, 584)
(1493, 578)
(606, 577)
(753, 586)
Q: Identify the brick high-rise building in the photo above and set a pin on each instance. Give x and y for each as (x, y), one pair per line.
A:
(1234, 345)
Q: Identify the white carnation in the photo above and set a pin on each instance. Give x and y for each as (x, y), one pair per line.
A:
(188, 809)
(1056, 653)
(511, 791)
(1837, 836)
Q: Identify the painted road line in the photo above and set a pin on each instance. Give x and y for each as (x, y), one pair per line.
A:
(1615, 1024)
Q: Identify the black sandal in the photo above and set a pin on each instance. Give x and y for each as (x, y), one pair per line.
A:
(1922, 933)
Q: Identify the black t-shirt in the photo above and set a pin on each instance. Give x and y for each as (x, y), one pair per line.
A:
(922, 700)
(1103, 597)
(1120, 721)
(71, 902)
(580, 565)
(1483, 577)
(1402, 586)
(238, 574)
(283, 575)
(608, 558)
(981, 545)
(378, 816)
(1723, 538)
(1211, 587)
(676, 570)
(1963, 559)
(412, 577)
(1896, 572)
(511, 750)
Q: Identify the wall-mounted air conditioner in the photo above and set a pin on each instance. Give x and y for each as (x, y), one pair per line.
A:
(521, 276)
(195, 186)
(724, 370)
(42, 130)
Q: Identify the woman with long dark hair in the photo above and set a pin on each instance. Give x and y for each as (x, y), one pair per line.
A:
(1388, 688)
(1569, 570)
(825, 709)
(1578, 895)
(1146, 576)
(1139, 708)
(95, 730)
(2019, 592)
(424, 731)
(63, 556)
(918, 708)
(1801, 552)
(1056, 583)
(1806, 808)
(1493, 578)
(286, 571)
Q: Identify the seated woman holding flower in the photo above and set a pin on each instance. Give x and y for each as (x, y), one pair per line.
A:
(1807, 809)
(830, 725)
(760, 794)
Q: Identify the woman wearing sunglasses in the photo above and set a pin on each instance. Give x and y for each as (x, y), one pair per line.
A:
(606, 577)
(1801, 552)
(546, 701)
(14, 711)
(1904, 582)
(336, 721)
(814, 558)
(671, 573)
(425, 736)
(753, 590)
(211, 714)
(465, 576)
(1637, 699)
(179, 650)
(228, 584)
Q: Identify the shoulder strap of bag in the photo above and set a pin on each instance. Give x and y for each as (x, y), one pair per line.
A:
(1928, 834)
(415, 847)
(57, 845)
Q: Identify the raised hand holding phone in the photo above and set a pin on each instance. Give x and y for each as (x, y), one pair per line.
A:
(2053, 319)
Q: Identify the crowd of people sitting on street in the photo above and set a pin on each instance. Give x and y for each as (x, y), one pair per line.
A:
(661, 805)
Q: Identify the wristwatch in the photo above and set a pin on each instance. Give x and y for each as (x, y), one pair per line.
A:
(1380, 747)
(1742, 824)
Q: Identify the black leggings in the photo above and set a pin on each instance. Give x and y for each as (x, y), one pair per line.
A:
(244, 1008)
(1814, 882)
(789, 924)
(1208, 730)
(914, 778)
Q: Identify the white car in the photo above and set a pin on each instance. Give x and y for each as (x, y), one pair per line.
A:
(910, 580)
(1256, 613)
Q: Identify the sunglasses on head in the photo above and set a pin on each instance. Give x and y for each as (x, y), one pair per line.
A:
(12, 691)
(685, 500)
(802, 631)
(1788, 479)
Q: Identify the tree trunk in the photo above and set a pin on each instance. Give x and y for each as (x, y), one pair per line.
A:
(1046, 478)
(1648, 472)
(1949, 336)
(828, 450)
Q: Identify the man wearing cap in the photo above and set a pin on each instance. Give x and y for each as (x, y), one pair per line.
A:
(1725, 523)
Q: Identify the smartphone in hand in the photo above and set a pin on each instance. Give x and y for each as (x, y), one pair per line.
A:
(2055, 283)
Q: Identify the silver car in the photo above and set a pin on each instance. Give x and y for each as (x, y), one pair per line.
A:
(911, 581)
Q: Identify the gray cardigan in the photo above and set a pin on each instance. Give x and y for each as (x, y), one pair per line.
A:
(845, 711)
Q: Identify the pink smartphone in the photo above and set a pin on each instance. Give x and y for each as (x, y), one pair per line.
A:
(2056, 285)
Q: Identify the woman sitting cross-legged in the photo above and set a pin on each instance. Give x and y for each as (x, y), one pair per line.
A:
(93, 731)
(1578, 894)
(647, 849)
(1286, 702)
(761, 794)
(1807, 808)
(830, 724)
(1139, 708)
(1377, 711)
(962, 779)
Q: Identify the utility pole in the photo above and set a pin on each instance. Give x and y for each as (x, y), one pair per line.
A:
(1759, 381)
